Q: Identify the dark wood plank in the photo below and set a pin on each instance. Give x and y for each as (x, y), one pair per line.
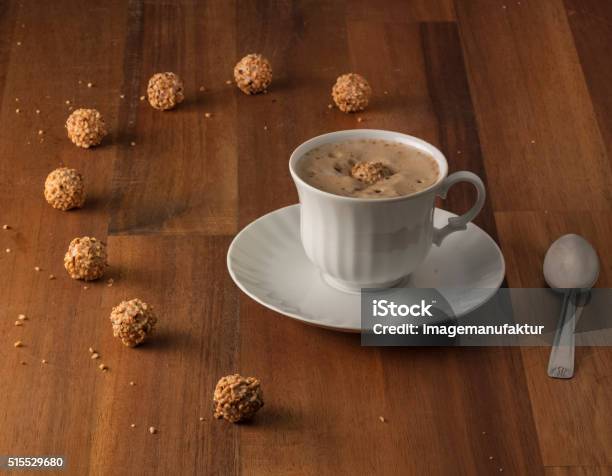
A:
(549, 174)
(7, 27)
(591, 25)
(176, 371)
(68, 406)
(575, 408)
(301, 86)
(578, 470)
(542, 145)
(43, 406)
(401, 11)
(452, 104)
(180, 176)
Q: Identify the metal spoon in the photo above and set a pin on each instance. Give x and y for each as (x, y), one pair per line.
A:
(571, 266)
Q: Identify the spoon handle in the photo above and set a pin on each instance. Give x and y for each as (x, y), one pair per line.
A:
(561, 362)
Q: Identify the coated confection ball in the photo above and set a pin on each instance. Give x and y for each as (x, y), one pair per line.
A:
(370, 172)
(351, 92)
(85, 258)
(237, 398)
(132, 321)
(86, 127)
(64, 189)
(165, 91)
(253, 74)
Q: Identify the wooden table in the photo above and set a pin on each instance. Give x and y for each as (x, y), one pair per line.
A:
(518, 92)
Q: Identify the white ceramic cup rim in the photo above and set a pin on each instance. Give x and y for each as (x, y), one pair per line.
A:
(338, 136)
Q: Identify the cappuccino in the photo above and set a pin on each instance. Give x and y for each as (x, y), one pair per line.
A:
(368, 168)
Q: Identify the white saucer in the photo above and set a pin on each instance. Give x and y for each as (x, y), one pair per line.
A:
(266, 261)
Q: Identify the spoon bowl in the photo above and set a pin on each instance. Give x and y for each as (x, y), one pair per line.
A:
(571, 263)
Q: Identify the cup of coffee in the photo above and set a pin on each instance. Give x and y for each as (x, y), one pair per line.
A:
(367, 199)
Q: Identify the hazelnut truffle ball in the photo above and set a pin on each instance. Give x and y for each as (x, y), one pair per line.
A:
(132, 321)
(165, 91)
(370, 172)
(237, 398)
(253, 74)
(351, 92)
(85, 258)
(86, 127)
(64, 189)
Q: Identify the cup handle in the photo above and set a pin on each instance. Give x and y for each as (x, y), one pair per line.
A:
(460, 222)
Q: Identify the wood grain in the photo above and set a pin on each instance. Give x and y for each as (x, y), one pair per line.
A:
(514, 91)
(591, 26)
(534, 112)
(176, 372)
(402, 12)
(550, 176)
(578, 403)
(577, 471)
(452, 104)
(185, 181)
(45, 409)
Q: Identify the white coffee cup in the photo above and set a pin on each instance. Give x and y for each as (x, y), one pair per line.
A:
(374, 242)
